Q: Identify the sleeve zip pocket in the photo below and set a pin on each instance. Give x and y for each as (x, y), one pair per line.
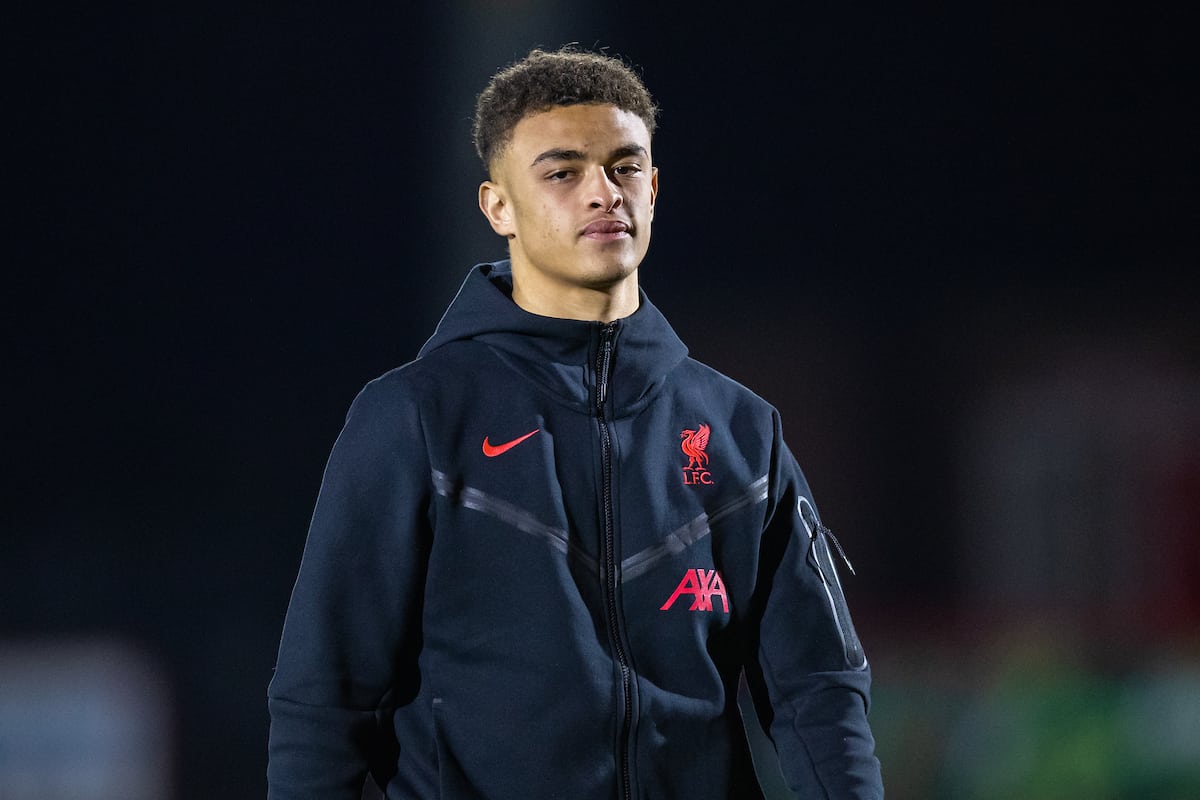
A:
(821, 558)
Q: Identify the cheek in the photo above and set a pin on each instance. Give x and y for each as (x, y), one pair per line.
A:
(547, 225)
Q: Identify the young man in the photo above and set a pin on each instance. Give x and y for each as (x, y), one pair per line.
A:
(544, 551)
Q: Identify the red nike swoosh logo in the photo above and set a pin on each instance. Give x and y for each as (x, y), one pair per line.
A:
(493, 450)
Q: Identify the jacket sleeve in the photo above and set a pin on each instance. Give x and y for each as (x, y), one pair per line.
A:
(809, 675)
(351, 634)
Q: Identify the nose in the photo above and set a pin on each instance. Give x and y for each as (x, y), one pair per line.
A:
(605, 192)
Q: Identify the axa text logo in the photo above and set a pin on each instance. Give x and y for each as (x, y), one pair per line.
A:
(694, 446)
(702, 585)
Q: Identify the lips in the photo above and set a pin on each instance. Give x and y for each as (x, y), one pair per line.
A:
(606, 228)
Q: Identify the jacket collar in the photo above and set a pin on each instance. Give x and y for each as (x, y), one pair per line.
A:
(561, 354)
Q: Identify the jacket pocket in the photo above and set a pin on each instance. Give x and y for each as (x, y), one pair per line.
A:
(820, 558)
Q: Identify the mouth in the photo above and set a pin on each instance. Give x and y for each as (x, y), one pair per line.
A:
(606, 230)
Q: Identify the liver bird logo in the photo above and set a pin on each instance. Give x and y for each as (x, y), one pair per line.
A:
(693, 445)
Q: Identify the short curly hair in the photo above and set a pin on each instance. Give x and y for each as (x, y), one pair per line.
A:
(544, 79)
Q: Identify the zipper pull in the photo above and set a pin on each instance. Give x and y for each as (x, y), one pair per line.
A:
(604, 364)
(829, 534)
(809, 517)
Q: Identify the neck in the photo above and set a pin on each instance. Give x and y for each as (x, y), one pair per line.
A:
(590, 304)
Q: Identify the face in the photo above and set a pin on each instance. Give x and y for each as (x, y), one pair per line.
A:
(574, 192)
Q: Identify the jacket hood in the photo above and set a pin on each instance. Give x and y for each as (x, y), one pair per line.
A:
(561, 354)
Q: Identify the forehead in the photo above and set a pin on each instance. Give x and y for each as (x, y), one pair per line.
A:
(592, 129)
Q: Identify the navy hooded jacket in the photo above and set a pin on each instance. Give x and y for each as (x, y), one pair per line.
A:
(542, 554)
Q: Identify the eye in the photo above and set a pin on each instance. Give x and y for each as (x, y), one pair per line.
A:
(559, 175)
(627, 169)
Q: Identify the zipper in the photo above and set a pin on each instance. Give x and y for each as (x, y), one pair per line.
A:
(603, 371)
(820, 536)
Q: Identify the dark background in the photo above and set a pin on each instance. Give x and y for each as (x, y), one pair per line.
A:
(954, 245)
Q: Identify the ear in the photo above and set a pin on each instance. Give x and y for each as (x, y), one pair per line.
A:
(493, 202)
(653, 191)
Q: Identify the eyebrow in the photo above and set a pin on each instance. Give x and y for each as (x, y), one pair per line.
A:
(562, 154)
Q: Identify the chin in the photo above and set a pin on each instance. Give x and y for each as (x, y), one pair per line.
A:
(610, 274)
(615, 267)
